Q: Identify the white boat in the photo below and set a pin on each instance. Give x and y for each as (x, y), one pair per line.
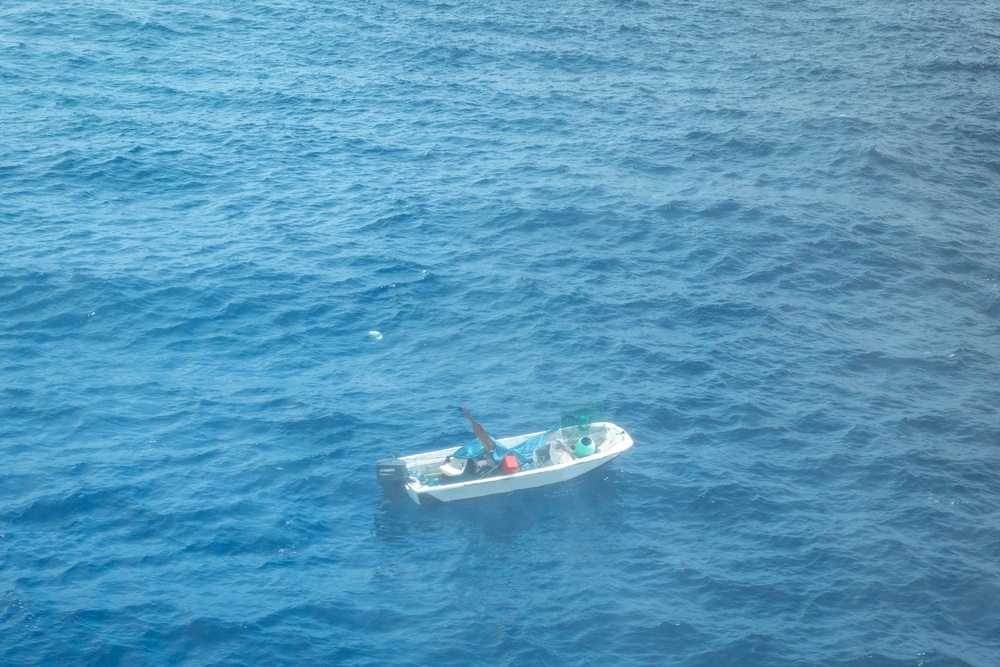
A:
(515, 463)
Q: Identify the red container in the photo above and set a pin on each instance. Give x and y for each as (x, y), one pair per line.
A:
(509, 465)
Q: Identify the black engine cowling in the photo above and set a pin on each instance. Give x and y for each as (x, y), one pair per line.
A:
(391, 473)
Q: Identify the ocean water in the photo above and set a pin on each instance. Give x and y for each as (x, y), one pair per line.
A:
(249, 248)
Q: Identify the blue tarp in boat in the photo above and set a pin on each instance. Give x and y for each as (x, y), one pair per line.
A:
(524, 451)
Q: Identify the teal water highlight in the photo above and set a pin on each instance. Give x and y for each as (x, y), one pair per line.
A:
(763, 234)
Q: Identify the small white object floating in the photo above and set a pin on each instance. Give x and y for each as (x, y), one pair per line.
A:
(510, 464)
(375, 335)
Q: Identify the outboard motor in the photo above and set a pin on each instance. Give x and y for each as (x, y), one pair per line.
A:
(391, 474)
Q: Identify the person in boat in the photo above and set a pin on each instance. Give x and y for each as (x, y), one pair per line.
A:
(488, 461)
(474, 466)
(480, 432)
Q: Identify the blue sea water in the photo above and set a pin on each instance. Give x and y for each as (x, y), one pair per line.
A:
(249, 248)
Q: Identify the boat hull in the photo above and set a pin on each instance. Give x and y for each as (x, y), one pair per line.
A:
(617, 442)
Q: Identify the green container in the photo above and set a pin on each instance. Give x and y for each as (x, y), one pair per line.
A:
(585, 447)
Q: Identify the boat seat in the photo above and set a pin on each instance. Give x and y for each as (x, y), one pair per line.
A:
(454, 467)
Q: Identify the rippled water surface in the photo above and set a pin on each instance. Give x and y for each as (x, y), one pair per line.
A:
(249, 248)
